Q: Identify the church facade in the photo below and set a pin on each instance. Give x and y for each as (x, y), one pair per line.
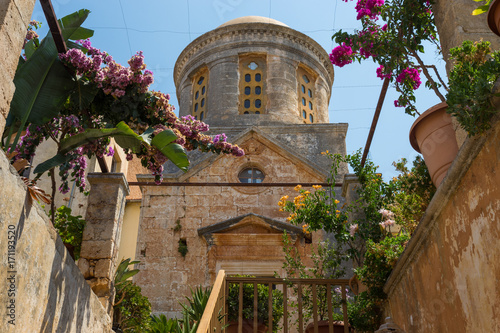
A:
(267, 87)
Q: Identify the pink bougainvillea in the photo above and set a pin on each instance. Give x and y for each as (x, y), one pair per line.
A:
(118, 90)
(341, 55)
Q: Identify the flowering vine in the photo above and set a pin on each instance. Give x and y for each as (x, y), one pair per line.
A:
(110, 100)
(392, 35)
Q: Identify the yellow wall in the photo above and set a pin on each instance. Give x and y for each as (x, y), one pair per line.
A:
(128, 241)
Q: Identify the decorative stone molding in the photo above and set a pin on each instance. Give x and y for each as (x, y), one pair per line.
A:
(389, 326)
(257, 31)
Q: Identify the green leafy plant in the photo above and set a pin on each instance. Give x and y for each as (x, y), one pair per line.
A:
(326, 263)
(365, 313)
(178, 226)
(263, 308)
(476, 69)
(182, 248)
(70, 229)
(414, 191)
(160, 324)
(196, 304)
(363, 229)
(132, 310)
(483, 8)
(191, 314)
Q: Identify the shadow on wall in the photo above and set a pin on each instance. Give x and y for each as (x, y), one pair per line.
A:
(50, 293)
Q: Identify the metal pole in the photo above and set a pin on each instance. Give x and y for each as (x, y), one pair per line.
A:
(381, 98)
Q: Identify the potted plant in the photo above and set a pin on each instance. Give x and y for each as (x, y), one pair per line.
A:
(248, 310)
(472, 79)
(393, 35)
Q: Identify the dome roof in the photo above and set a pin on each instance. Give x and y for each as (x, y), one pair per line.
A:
(253, 19)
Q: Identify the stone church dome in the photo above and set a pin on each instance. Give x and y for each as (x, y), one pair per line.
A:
(254, 71)
(252, 19)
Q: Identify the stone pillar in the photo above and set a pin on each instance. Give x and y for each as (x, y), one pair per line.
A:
(14, 19)
(349, 192)
(101, 237)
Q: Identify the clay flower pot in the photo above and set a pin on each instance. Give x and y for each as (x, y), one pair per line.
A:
(338, 327)
(356, 286)
(247, 327)
(433, 136)
(494, 17)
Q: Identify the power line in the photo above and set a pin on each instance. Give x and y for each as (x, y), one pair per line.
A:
(345, 110)
(361, 86)
(148, 31)
(270, 1)
(334, 16)
(126, 28)
(189, 21)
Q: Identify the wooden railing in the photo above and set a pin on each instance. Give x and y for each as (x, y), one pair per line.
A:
(301, 291)
(213, 316)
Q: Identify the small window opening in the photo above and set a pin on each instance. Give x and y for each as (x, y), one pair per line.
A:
(253, 66)
(251, 175)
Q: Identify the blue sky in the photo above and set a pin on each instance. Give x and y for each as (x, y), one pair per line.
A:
(162, 29)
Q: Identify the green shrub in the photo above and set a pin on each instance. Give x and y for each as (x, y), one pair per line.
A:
(476, 69)
(131, 309)
(263, 302)
(70, 229)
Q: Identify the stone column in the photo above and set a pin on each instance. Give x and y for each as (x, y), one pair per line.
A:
(349, 192)
(14, 19)
(101, 237)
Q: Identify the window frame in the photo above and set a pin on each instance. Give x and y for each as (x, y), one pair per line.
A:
(252, 98)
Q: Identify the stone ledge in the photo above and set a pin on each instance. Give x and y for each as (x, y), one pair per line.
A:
(109, 178)
(466, 156)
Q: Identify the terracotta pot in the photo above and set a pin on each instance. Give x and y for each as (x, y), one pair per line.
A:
(338, 327)
(356, 285)
(493, 17)
(247, 327)
(433, 136)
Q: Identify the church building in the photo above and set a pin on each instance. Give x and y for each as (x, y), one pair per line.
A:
(267, 87)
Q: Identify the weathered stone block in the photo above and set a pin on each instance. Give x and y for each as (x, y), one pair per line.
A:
(97, 249)
(103, 268)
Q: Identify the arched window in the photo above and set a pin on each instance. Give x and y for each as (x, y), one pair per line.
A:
(251, 175)
(200, 87)
(306, 94)
(252, 84)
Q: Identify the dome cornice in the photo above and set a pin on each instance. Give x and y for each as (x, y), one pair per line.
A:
(257, 35)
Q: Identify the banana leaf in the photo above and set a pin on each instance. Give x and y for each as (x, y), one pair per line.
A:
(173, 151)
(43, 83)
(125, 137)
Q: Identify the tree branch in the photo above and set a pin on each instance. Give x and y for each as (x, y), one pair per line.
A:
(428, 76)
(52, 203)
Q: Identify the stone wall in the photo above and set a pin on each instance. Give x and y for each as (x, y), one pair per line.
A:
(447, 278)
(45, 289)
(42, 289)
(456, 23)
(14, 19)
